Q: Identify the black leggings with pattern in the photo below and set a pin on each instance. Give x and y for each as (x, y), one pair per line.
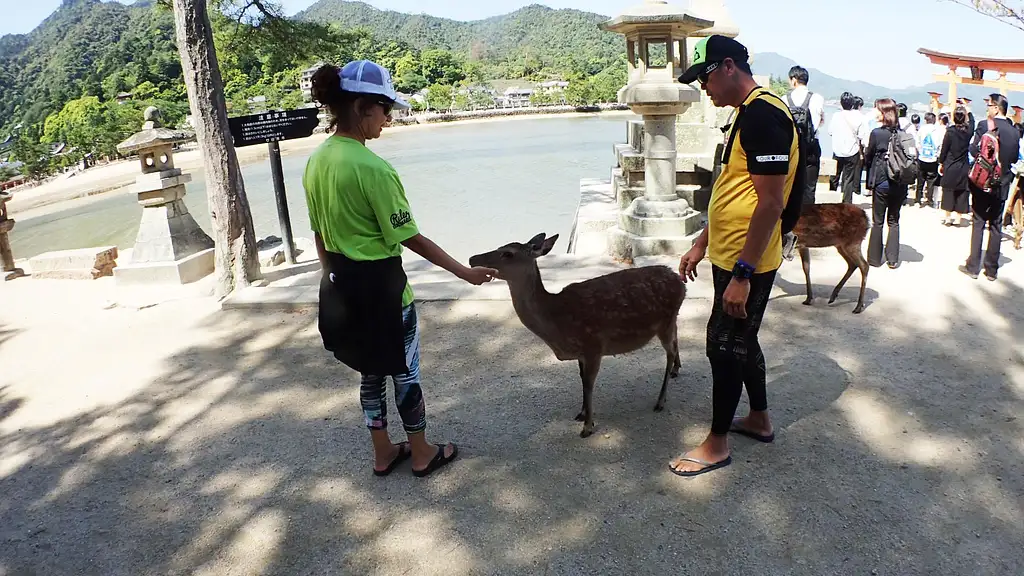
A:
(735, 354)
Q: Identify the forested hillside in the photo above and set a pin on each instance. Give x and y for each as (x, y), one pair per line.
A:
(528, 41)
(86, 48)
(83, 76)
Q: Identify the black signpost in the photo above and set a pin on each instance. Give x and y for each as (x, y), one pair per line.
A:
(270, 128)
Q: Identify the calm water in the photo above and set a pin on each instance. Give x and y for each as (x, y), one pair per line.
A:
(472, 187)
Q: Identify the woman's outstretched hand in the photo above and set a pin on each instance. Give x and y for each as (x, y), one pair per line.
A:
(478, 275)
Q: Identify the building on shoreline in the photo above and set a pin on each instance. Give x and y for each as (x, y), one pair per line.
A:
(306, 82)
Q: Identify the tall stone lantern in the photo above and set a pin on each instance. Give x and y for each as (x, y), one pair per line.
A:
(170, 247)
(660, 221)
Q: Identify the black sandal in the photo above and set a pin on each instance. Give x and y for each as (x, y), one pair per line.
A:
(403, 454)
(439, 461)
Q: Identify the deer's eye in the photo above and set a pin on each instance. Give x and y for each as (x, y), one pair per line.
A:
(506, 255)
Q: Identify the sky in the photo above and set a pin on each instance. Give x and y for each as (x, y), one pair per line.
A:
(838, 37)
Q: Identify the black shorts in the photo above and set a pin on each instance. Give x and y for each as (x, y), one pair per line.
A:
(737, 336)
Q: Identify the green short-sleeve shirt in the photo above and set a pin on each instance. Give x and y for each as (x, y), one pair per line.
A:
(357, 203)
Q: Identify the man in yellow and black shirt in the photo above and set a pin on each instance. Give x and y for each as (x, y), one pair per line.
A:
(743, 240)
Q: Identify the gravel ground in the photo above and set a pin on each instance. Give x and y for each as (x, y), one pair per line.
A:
(173, 438)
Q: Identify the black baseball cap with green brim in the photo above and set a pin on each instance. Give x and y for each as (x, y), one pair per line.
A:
(709, 54)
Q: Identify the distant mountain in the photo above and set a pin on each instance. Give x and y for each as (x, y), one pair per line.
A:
(84, 48)
(772, 64)
(542, 31)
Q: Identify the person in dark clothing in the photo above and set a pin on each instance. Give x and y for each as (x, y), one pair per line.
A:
(800, 95)
(889, 195)
(743, 241)
(988, 205)
(954, 168)
(966, 103)
(858, 105)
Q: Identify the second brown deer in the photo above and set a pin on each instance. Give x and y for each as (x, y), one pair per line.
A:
(608, 315)
(841, 225)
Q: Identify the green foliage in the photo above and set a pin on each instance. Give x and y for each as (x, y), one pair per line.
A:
(6, 173)
(534, 40)
(63, 81)
(441, 67)
(778, 86)
(34, 156)
(440, 97)
(480, 100)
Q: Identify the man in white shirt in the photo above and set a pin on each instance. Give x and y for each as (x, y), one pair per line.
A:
(797, 98)
(929, 144)
(904, 121)
(864, 134)
(844, 129)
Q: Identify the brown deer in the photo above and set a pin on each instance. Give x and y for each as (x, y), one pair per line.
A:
(841, 225)
(612, 314)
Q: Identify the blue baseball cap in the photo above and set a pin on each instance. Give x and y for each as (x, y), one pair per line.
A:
(365, 77)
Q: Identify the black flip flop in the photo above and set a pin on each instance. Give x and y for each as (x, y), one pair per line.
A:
(403, 454)
(744, 432)
(708, 466)
(439, 461)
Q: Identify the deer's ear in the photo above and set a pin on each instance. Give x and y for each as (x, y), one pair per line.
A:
(546, 246)
(536, 241)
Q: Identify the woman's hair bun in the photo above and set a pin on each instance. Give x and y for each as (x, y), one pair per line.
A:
(326, 85)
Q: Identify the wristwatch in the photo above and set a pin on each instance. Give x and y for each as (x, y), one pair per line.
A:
(742, 270)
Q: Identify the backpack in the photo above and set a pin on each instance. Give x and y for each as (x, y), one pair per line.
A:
(901, 158)
(791, 213)
(802, 118)
(795, 204)
(987, 171)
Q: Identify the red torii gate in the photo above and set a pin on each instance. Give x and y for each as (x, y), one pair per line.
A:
(977, 66)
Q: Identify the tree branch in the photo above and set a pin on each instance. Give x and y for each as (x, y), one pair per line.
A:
(995, 9)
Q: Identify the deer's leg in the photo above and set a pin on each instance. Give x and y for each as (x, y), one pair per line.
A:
(851, 264)
(671, 345)
(854, 254)
(589, 367)
(805, 259)
(583, 408)
(1018, 225)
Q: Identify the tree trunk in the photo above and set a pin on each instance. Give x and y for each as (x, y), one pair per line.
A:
(237, 261)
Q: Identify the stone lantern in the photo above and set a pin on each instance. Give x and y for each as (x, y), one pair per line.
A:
(170, 246)
(660, 221)
(10, 271)
(935, 104)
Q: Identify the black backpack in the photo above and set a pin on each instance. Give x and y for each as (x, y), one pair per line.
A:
(802, 117)
(791, 213)
(901, 158)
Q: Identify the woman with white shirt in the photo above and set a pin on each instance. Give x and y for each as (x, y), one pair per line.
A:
(844, 129)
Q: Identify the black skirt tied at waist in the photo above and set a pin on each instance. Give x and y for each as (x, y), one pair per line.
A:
(360, 314)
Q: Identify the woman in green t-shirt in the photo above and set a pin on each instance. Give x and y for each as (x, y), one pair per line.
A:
(361, 219)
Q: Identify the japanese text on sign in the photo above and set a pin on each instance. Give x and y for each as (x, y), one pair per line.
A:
(273, 126)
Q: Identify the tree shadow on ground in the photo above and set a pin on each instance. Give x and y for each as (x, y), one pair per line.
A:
(898, 451)
(8, 405)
